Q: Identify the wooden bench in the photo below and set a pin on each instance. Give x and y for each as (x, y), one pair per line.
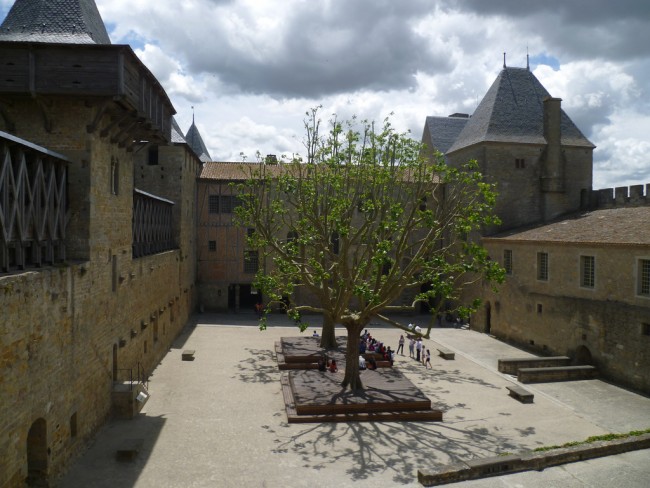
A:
(524, 396)
(560, 373)
(128, 450)
(446, 353)
(512, 365)
(188, 355)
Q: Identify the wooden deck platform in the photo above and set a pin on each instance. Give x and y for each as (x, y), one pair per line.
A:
(315, 396)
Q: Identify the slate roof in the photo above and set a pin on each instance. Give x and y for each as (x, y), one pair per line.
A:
(195, 141)
(614, 226)
(177, 133)
(512, 111)
(443, 131)
(54, 21)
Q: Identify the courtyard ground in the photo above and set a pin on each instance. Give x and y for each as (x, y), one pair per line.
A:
(219, 421)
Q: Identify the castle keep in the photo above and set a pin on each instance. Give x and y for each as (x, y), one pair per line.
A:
(577, 261)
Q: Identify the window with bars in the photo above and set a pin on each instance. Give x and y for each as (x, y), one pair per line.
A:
(224, 204)
(542, 266)
(520, 163)
(212, 246)
(507, 261)
(587, 271)
(213, 204)
(644, 277)
(251, 261)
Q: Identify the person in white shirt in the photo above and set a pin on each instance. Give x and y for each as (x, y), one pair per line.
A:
(362, 362)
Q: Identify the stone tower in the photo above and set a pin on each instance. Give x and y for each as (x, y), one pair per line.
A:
(525, 143)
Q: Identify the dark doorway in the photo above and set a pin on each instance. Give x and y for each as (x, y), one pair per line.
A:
(248, 299)
(232, 302)
(583, 356)
(37, 454)
(488, 318)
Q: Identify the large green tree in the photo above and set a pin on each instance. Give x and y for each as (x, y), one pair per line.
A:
(364, 225)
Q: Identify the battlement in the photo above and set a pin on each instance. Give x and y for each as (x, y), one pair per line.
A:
(620, 196)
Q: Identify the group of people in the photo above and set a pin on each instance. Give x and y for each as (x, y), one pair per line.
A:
(370, 344)
(418, 351)
(325, 364)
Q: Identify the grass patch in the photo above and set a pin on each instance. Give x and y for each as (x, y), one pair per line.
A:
(595, 438)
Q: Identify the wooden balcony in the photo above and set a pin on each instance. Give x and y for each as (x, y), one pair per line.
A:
(110, 72)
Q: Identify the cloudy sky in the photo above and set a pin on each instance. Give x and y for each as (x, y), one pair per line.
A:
(252, 68)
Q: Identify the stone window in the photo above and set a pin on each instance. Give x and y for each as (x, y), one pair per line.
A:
(152, 159)
(645, 329)
(73, 425)
(542, 266)
(507, 261)
(212, 246)
(644, 277)
(213, 204)
(520, 163)
(115, 176)
(587, 271)
(251, 261)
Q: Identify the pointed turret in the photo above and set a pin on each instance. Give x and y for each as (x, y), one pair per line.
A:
(512, 111)
(194, 139)
(54, 21)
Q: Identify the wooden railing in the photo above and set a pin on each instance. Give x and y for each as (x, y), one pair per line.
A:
(152, 224)
(33, 198)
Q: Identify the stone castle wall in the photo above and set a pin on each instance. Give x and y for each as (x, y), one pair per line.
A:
(559, 317)
(69, 331)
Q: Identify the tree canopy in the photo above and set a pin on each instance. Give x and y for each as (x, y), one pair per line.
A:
(363, 226)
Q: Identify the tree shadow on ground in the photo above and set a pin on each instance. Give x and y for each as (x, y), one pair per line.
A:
(259, 368)
(381, 448)
(368, 449)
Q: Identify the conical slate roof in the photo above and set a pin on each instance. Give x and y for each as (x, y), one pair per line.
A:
(512, 111)
(195, 141)
(54, 21)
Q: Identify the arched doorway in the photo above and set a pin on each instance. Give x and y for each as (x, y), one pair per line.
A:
(37, 454)
(583, 356)
(488, 318)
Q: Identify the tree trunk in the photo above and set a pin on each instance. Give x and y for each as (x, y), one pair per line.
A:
(352, 379)
(328, 336)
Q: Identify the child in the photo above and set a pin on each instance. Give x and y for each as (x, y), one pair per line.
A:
(333, 368)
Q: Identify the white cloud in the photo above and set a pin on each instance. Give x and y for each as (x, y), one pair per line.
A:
(251, 68)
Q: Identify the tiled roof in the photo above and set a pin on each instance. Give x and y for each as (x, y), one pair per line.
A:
(177, 133)
(443, 131)
(195, 141)
(54, 21)
(226, 171)
(625, 225)
(512, 111)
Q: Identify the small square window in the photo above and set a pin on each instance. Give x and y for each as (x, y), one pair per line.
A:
(212, 246)
(520, 163)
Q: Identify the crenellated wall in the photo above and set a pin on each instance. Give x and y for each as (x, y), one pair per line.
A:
(621, 196)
